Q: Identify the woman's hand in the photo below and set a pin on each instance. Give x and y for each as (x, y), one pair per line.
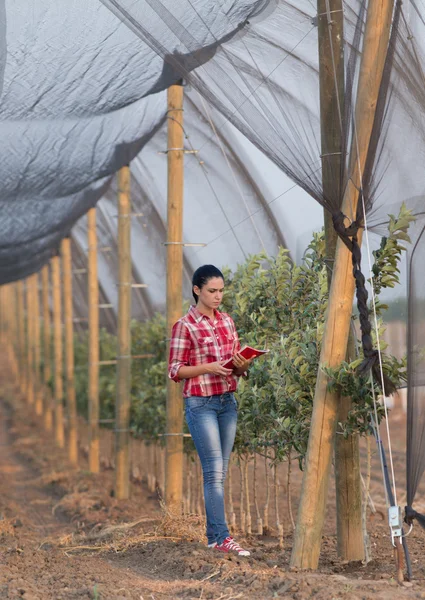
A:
(216, 368)
(241, 364)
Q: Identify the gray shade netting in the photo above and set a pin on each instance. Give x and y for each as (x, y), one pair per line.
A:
(416, 374)
(77, 104)
(229, 208)
(266, 81)
(255, 81)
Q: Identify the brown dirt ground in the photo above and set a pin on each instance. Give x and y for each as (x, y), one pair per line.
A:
(63, 536)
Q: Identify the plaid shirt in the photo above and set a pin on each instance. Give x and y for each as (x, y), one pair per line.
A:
(196, 340)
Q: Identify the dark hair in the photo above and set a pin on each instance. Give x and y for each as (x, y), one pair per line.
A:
(202, 275)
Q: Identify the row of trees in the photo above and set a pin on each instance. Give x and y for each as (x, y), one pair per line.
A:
(278, 305)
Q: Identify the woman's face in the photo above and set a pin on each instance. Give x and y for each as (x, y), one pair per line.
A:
(211, 293)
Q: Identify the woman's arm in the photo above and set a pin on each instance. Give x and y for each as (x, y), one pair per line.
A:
(179, 350)
(214, 368)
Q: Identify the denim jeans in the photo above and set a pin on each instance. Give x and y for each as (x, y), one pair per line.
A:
(212, 424)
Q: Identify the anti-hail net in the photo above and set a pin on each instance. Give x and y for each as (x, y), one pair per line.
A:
(255, 81)
(81, 96)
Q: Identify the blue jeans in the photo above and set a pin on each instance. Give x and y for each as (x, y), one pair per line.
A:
(212, 424)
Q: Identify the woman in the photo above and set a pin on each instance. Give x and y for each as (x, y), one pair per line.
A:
(201, 342)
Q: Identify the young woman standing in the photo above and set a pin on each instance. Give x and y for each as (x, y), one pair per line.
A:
(201, 342)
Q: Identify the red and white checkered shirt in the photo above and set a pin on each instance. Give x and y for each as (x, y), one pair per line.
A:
(195, 340)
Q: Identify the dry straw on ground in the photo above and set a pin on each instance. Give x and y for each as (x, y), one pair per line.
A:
(170, 526)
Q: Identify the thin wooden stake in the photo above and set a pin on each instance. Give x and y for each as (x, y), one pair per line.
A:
(289, 491)
(93, 310)
(47, 348)
(12, 327)
(230, 496)
(248, 501)
(257, 507)
(5, 322)
(267, 501)
(242, 500)
(21, 334)
(30, 343)
(122, 415)
(311, 512)
(199, 488)
(174, 443)
(188, 496)
(38, 396)
(279, 525)
(367, 544)
(399, 559)
(71, 402)
(58, 351)
(19, 331)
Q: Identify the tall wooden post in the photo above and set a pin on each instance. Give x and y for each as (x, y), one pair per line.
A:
(331, 81)
(311, 512)
(69, 352)
(47, 347)
(3, 318)
(174, 440)
(30, 342)
(5, 323)
(93, 308)
(9, 322)
(58, 351)
(21, 333)
(331, 76)
(17, 326)
(18, 318)
(122, 412)
(1, 315)
(37, 347)
(12, 327)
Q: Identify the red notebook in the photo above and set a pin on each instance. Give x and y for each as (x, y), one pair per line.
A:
(247, 352)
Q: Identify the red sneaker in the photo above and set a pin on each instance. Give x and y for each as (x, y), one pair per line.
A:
(229, 545)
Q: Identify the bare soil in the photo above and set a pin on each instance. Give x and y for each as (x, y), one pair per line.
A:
(64, 536)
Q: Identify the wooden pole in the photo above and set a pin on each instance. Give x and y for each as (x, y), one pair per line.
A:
(122, 414)
(17, 326)
(69, 352)
(30, 342)
(331, 76)
(18, 318)
(11, 327)
(1, 315)
(331, 82)
(14, 302)
(311, 512)
(58, 351)
(93, 309)
(7, 310)
(21, 334)
(174, 443)
(47, 347)
(37, 348)
(5, 322)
